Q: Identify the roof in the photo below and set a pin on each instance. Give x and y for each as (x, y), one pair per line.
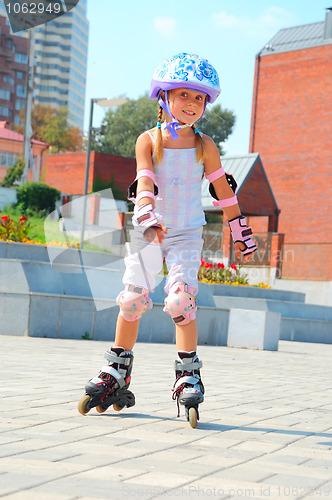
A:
(240, 167)
(297, 38)
(10, 135)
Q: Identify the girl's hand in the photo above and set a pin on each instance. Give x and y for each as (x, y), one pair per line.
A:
(238, 246)
(155, 232)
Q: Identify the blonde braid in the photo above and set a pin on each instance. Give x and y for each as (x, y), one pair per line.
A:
(159, 151)
(199, 145)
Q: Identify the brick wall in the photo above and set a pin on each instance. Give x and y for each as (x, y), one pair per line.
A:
(293, 137)
(122, 169)
(67, 171)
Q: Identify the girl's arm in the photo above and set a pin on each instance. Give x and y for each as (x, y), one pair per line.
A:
(223, 191)
(144, 152)
(145, 184)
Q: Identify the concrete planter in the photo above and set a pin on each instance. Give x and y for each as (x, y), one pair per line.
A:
(66, 293)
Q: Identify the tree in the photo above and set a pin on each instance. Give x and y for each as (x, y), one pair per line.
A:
(124, 124)
(99, 185)
(50, 125)
(218, 123)
(14, 173)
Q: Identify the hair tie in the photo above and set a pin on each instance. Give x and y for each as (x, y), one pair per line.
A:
(158, 125)
(198, 132)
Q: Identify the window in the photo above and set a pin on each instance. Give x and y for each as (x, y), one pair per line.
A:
(8, 79)
(21, 58)
(17, 120)
(5, 94)
(19, 104)
(7, 159)
(19, 75)
(4, 110)
(20, 90)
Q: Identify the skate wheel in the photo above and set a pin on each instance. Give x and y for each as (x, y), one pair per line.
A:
(83, 405)
(192, 417)
(117, 407)
(100, 409)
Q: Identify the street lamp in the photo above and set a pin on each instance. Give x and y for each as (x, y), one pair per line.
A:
(104, 103)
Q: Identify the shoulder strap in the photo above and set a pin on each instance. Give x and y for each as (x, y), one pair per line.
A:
(151, 137)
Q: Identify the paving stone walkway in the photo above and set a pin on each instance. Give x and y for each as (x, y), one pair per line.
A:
(265, 430)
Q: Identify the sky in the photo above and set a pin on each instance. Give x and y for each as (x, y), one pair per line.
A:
(128, 39)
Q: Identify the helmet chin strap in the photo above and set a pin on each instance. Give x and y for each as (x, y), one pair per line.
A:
(174, 125)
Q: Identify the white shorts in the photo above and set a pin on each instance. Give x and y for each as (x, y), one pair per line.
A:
(181, 249)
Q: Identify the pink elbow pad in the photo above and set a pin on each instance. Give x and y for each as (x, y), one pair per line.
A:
(132, 190)
(215, 175)
(227, 202)
(145, 172)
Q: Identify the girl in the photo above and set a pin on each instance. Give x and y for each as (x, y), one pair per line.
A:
(168, 219)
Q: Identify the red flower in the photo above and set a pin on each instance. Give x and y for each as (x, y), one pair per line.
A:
(202, 262)
(221, 265)
(5, 217)
(23, 218)
(233, 266)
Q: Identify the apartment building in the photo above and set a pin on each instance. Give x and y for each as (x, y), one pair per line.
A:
(61, 51)
(60, 54)
(13, 69)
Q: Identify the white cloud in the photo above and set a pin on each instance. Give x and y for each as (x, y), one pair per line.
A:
(165, 25)
(273, 18)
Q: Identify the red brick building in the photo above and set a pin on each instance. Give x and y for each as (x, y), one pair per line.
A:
(13, 70)
(66, 171)
(291, 128)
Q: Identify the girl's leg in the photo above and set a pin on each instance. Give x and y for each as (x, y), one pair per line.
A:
(111, 384)
(186, 337)
(188, 389)
(126, 333)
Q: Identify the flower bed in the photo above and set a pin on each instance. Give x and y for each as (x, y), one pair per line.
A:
(17, 232)
(13, 230)
(220, 274)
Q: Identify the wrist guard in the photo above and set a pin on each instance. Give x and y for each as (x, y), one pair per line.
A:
(241, 232)
(145, 216)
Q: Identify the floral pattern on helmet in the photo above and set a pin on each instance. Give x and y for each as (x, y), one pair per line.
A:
(189, 68)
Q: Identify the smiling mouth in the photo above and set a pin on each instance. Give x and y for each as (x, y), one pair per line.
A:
(189, 113)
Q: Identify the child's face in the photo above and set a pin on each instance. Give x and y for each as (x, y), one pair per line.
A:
(186, 105)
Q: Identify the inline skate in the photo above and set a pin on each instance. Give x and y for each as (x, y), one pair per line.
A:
(188, 389)
(110, 386)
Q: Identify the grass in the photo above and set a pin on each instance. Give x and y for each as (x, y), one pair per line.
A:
(53, 231)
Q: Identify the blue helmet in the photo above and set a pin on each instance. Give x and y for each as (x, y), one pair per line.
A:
(189, 71)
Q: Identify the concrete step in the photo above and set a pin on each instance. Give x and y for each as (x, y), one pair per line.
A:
(300, 322)
(256, 293)
(285, 308)
(74, 280)
(73, 317)
(306, 330)
(44, 289)
(59, 256)
(62, 259)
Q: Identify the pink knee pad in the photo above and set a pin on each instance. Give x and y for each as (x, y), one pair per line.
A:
(133, 302)
(180, 303)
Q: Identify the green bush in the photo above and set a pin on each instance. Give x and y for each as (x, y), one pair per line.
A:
(37, 196)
